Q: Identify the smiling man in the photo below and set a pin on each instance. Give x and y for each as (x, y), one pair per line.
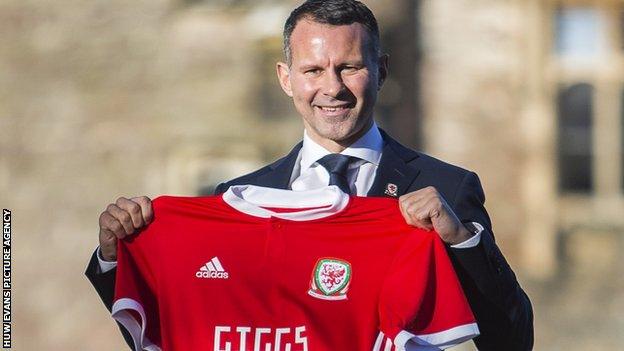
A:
(333, 71)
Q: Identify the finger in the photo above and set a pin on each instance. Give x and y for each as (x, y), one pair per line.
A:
(146, 208)
(406, 202)
(435, 208)
(406, 198)
(406, 216)
(133, 209)
(407, 206)
(108, 238)
(431, 203)
(419, 215)
(414, 201)
(110, 224)
(423, 219)
(122, 216)
(108, 245)
(442, 215)
(418, 197)
(415, 215)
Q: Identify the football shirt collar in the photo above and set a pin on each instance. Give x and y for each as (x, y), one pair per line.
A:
(301, 205)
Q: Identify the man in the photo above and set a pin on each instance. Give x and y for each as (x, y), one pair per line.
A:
(333, 71)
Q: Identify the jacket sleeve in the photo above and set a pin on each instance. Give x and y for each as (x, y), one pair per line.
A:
(104, 284)
(220, 188)
(502, 309)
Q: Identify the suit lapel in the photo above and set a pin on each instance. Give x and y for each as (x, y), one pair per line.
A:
(278, 177)
(393, 169)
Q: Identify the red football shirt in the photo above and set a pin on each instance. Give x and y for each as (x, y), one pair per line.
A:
(267, 270)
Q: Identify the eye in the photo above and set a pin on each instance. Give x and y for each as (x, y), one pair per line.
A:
(350, 69)
(312, 71)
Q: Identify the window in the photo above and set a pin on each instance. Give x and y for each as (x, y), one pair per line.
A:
(580, 33)
(574, 142)
(586, 52)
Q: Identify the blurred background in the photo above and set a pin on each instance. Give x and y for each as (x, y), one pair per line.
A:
(106, 98)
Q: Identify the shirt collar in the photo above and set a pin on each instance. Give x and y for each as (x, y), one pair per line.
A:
(368, 148)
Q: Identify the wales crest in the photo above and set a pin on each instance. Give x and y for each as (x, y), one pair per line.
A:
(330, 279)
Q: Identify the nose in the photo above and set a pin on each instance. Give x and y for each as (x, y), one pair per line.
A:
(332, 84)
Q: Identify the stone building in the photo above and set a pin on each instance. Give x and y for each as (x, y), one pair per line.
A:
(100, 99)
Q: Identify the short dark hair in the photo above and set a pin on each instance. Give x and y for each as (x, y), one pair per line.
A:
(335, 13)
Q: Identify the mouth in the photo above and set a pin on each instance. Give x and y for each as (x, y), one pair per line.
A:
(334, 110)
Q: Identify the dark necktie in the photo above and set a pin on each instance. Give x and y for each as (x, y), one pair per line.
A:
(337, 165)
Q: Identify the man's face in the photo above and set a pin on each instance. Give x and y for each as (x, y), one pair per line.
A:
(333, 79)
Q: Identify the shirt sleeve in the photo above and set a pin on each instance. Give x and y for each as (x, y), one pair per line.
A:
(473, 241)
(105, 266)
(422, 305)
(135, 303)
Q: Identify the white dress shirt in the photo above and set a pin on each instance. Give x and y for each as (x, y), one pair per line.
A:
(308, 174)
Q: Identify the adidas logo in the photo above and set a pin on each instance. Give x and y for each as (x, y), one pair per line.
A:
(212, 269)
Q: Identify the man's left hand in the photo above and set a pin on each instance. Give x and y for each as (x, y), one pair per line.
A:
(426, 209)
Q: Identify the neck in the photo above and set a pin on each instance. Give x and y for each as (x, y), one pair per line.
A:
(337, 146)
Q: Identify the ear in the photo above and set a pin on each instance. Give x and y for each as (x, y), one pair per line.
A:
(283, 75)
(383, 70)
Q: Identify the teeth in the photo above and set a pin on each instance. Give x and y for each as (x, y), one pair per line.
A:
(332, 109)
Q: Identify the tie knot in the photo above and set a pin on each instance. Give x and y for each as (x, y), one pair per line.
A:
(335, 163)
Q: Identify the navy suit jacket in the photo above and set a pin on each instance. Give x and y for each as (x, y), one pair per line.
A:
(502, 309)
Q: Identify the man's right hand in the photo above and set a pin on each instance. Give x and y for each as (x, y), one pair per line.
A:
(122, 218)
